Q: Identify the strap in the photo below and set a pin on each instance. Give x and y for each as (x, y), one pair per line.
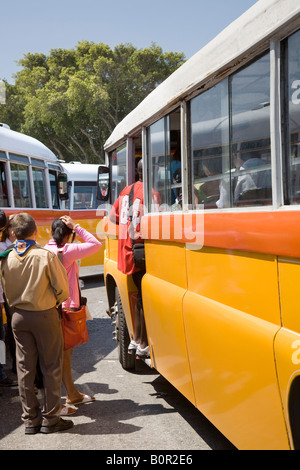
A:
(131, 233)
(5, 253)
(60, 256)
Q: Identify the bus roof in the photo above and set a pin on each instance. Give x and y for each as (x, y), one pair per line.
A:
(254, 30)
(77, 171)
(21, 144)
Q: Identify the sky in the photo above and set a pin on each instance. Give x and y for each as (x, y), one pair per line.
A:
(175, 25)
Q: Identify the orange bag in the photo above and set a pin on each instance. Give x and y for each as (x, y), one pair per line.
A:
(73, 321)
(74, 327)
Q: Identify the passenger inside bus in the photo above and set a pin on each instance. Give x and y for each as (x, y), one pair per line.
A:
(255, 185)
(249, 182)
(3, 186)
(208, 191)
(175, 176)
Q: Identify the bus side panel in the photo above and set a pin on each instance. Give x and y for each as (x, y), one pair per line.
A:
(162, 303)
(111, 247)
(287, 344)
(233, 371)
(231, 316)
(287, 353)
(96, 259)
(163, 288)
(242, 280)
(289, 280)
(89, 221)
(166, 261)
(43, 219)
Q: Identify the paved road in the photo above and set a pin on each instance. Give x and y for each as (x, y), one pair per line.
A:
(132, 411)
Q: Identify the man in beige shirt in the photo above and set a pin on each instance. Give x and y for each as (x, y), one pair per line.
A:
(35, 282)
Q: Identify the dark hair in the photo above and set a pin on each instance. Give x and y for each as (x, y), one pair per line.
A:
(3, 219)
(59, 231)
(23, 225)
(4, 234)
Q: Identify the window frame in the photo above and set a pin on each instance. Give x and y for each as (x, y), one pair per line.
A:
(222, 176)
(35, 168)
(170, 189)
(279, 137)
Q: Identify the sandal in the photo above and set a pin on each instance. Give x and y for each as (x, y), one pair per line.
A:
(67, 410)
(84, 399)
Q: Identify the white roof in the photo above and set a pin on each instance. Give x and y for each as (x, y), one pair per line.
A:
(81, 171)
(21, 144)
(253, 28)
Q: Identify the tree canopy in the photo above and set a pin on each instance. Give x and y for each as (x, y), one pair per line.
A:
(72, 99)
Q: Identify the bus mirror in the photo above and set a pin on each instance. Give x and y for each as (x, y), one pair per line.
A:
(103, 183)
(63, 186)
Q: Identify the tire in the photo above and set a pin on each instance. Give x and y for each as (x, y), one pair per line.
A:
(127, 361)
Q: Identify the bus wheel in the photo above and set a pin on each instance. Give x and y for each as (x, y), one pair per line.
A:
(122, 336)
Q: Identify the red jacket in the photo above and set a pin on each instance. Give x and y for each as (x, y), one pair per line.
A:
(120, 215)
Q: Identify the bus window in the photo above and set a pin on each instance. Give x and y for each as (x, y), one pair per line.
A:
(20, 183)
(294, 117)
(3, 186)
(165, 162)
(118, 163)
(210, 149)
(250, 131)
(39, 187)
(54, 188)
(238, 174)
(85, 195)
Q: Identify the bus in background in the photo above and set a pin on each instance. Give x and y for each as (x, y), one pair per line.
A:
(82, 203)
(29, 179)
(220, 142)
(32, 180)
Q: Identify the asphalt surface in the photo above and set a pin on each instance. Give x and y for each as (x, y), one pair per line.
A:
(132, 412)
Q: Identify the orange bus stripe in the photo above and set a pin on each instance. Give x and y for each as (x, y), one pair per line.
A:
(274, 232)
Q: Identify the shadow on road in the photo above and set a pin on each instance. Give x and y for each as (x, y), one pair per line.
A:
(109, 416)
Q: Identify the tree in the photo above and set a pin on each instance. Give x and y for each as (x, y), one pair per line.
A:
(73, 98)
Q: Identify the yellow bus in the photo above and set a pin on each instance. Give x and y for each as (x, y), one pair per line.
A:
(220, 291)
(33, 180)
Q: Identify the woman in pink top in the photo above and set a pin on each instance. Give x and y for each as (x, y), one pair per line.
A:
(61, 230)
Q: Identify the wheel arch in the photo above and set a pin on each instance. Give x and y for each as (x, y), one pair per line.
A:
(294, 411)
(111, 291)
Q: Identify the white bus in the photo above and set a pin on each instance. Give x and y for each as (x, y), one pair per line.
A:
(28, 173)
(83, 205)
(82, 185)
(33, 180)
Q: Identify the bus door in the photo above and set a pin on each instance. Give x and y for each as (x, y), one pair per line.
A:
(165, 282)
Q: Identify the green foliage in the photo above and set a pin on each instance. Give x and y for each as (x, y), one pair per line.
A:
(72, 99)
